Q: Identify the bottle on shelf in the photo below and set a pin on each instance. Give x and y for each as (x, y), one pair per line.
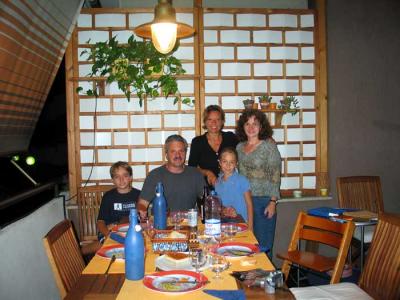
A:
(134, 249)
(213, 215)
(160, 208)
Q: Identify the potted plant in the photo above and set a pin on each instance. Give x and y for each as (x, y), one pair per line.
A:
(137, 67)
(289, 105)
(248, 103)
(264, 101)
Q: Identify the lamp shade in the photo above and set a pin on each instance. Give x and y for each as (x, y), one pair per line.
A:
(164, 30)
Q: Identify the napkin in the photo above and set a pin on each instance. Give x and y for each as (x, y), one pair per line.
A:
(118, 238)
(227, 294)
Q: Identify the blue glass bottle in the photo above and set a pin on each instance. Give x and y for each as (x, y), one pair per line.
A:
(134, 249)
(160, 208)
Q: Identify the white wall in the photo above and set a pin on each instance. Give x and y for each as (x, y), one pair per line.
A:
(25, 270)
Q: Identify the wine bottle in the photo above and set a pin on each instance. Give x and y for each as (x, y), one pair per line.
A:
(201, 204)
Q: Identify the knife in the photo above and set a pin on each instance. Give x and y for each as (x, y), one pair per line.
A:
(113, 258)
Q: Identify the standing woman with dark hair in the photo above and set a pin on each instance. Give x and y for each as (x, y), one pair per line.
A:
(205, 148)
(260, 162)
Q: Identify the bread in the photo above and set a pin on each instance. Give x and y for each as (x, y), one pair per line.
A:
(177, 260)
(177, 255)
(176, 235)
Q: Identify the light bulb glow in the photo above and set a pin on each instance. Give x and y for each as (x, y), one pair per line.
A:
(163, 36)
(30, 160)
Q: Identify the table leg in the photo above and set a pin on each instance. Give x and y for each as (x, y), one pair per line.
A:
(362, 249)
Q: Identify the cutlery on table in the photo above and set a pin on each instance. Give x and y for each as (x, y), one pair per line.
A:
(113, 258)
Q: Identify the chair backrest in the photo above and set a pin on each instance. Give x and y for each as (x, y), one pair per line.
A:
(64, 255)
(325, 231)
(363, 192)
(89, 200)
(381, 275)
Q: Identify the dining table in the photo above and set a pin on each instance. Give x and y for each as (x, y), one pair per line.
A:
(94, 284)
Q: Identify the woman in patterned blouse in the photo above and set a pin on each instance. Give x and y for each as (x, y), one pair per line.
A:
(260, 162)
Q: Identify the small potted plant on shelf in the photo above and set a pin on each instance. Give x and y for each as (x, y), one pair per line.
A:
(288, 104)
(264, 101)
(248, 103)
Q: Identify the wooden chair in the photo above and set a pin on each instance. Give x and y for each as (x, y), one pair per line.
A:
(319, 230)
(64, 255)
(89, 200)
(381, 275)
(362, 192)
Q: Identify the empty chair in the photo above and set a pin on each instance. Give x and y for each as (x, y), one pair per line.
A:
(362, 192)
(89, 200)
(319, 230)
(64, 255)
(381, 275)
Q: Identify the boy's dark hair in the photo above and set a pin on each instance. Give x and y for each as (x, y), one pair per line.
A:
(120, 164)
(230, 150)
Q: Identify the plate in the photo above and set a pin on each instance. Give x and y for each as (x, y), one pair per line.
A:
(164, 263)
(241, 226)
(123, 228)
(175, 282)
(109, 251)
(235, 249)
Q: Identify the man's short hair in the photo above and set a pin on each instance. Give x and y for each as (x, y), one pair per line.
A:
(175, 138)
(120, 164)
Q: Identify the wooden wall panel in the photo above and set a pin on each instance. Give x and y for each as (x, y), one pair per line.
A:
(236, 54)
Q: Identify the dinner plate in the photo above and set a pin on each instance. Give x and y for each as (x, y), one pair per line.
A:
(109, 251)
(122, 228)
(164, 263)
(235, 249)
(240, 226)
(175, 282)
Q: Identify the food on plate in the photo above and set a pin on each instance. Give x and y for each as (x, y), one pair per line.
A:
(177, 260)
(176, 235)
(229, 212)
(177, 255)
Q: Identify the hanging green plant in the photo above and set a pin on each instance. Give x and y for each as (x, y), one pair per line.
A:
(137, 67)
(289, 104)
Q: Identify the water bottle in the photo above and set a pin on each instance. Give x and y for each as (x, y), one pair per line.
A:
(213, 215)
(134, 249)
(160, 208)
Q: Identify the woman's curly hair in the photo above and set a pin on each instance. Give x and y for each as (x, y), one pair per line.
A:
(265, 128)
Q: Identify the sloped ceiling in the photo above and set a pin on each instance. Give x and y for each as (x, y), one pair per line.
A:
(33, 37)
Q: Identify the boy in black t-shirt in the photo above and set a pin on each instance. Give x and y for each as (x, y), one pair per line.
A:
(117, 203)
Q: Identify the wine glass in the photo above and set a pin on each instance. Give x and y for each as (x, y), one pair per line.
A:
(230, 230)
(176, 219)
(219, 263)
(197, 258)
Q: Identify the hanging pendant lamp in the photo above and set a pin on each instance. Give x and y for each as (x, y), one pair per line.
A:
(164, 30)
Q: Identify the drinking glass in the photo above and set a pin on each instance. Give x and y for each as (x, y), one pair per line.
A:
(198, 258)
(219, 263)
(176, 218)
(230, 230)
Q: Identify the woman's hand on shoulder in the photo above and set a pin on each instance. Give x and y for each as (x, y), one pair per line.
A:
(211, 178)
